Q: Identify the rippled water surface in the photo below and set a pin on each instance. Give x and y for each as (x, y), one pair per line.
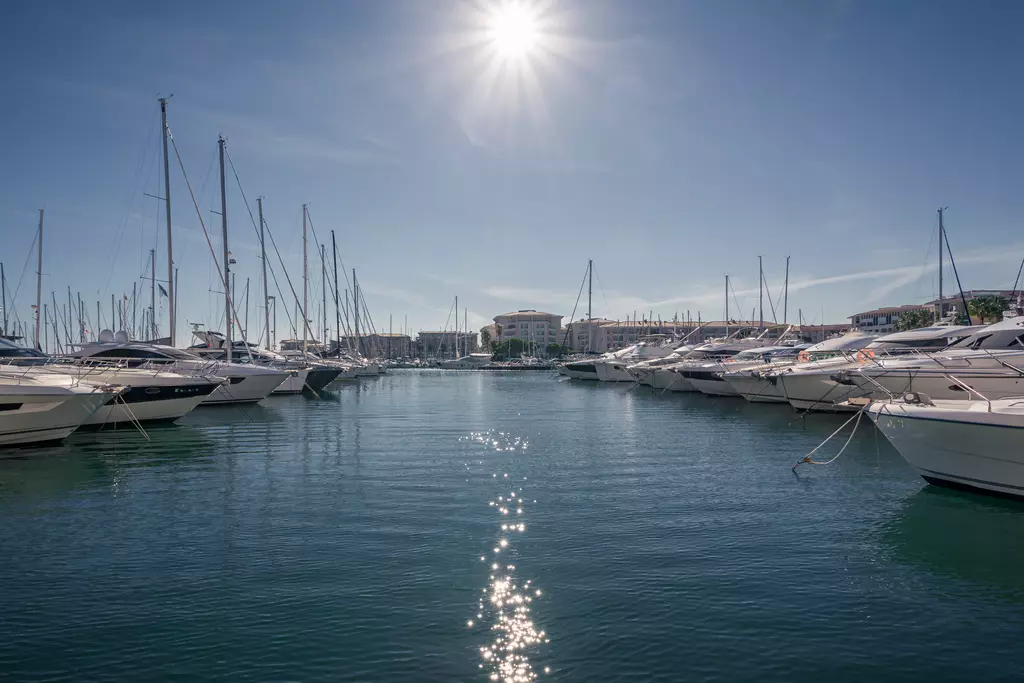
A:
(475, 527)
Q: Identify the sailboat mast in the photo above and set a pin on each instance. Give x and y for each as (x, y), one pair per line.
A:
(355, 313)
(263, 259)
(39, 279)
(590, 289)
(337, 312)
(323, 286)
(3, 296)
(167, 213)
(305, 281)
(726, 305)
(785, 300)
(941, 241)
(227, 258)
(760, 291)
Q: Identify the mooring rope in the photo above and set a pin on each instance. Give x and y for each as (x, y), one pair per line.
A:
(811, 461)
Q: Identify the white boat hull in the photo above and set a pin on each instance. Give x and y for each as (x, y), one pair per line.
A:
(713, 387)
(756, 389)
(817, 392)
(167, 410)
(991, 385)
(44, 418)
(251, 389)
(613, 372)
(586, 371)
(294, 384)
(963, 448)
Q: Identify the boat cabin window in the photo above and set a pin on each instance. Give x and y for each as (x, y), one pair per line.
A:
(138, 354)
(19, 352)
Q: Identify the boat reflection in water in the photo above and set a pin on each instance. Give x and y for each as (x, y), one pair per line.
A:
(961, 536)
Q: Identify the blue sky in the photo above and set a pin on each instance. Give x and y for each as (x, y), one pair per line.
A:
(672, 142)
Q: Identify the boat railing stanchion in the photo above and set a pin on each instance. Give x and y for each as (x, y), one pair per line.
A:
(970, 389)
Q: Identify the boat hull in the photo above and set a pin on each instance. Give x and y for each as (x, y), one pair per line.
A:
(245, 389)
(613, 372)
(713, 386)
(165, 403)
(984, 454)
(756, 389)
(991, 385)
(45, 418)
(815, 391)
(584, 371)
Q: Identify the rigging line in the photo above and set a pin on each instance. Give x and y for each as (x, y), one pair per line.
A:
(775, 317)
(209, 243)
(28, 257)
(1017, 280)
(734, 299)
(344, 271)
(607, 306)
(572, 316)
(273, 242)
(146, 145)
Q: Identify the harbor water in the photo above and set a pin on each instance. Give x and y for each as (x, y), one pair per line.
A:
(447, 526)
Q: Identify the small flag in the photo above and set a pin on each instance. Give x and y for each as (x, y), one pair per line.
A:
(163, 291)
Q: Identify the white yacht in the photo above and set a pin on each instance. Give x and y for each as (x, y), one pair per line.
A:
(743, 339)
(303, 375)
(709, 378)
(246, 383)
(989, 364)
(582, 368)
(814, 385)
(471, 362)
(38, 408)
(151, 395)
(613, 368)
(975, 445)
(759, 384)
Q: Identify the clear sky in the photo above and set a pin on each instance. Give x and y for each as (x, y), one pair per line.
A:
(671, 141)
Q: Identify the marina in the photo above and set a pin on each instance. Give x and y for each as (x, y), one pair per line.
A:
(511, 341)
(328, 539)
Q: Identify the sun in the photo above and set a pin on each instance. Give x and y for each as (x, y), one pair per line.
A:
(513, 29)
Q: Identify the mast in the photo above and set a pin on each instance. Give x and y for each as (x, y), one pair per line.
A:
(245, 330)
(305, 281)
(81, 319)
(760, 294)
(263, 258)
(941, 240)
(224, 238)
(39, 279)
(135, 308)
(337, 312)
(785, 300)
(167, 213)
(455, 327)
(323, 286)
(590, 289)
(355, 312)
(726, 305)
(3, 296)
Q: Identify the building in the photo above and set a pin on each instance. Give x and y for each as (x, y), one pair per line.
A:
(883, 320)
(530, 326)
(381, 345)
(581, 336)
(447, 344)
(813, 334)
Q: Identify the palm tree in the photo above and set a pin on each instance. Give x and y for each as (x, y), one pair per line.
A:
(911, 320)
(987, 308)
(485, 338)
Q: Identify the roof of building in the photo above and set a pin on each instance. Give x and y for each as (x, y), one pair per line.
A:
(528, 313)
(446, 332)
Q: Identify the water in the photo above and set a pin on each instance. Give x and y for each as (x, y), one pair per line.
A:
(359, 538)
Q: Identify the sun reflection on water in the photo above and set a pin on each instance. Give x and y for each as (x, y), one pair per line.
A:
(505, 605)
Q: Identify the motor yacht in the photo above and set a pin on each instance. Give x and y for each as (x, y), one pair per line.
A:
(977, 445)
(246, 382)
(37, 408)
(743, 339)
(759, 384)
(709, 378)
(813, 386)
(304, 376)
(613, 368)
(988, 364)
(151, 395)
(473, 361)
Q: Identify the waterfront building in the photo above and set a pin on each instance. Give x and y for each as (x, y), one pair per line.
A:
(530, 326)
(379, 345)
